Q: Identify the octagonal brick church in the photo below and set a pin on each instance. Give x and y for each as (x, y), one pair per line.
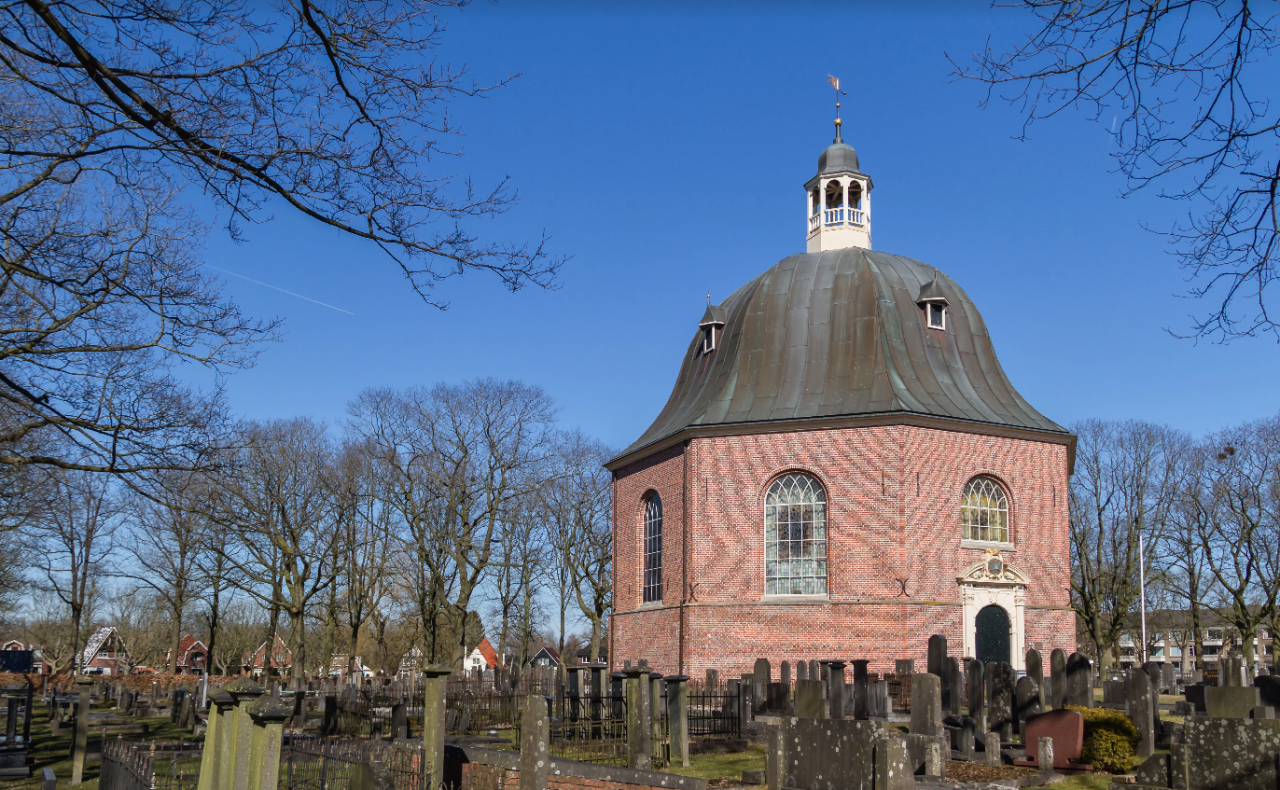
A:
(842, 469)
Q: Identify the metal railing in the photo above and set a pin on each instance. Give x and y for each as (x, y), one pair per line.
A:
(314, 763)
(841, 215)
(149, 766)
(714, 712)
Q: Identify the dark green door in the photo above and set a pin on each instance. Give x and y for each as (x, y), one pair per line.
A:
(992, 640)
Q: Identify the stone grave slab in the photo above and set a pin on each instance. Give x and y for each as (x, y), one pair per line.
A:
(810, 699)
(1066, 729)
(1230, 702)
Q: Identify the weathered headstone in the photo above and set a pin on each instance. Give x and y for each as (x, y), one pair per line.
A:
(81, 743)
(713, 678)
(784, 673)
(1026, 701)
(1079, 681)
(952, 686)
(1000, 699)
(1044, 754)
(1058, 678)
(1062, 728)
(814, 672)
(1167, 682)
(977, 674)
(760, 677)
(861, 690)
(904, 666)
(1140, 700)
(926, 704)
(802, 670)
(1035, 671)
(836, 689)
(1230, 702)
(810, 700)
(937, 654)
(1268, 689)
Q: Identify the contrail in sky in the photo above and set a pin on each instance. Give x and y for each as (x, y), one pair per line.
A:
(281, 290)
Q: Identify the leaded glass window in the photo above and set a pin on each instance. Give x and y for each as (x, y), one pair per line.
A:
(653, 548)
(795, 536)
(984, 511)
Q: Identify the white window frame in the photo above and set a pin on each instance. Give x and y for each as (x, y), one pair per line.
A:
(928, 315)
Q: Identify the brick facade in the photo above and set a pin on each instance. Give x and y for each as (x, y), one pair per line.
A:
(893, 546)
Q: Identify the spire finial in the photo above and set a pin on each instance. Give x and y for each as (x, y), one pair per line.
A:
(835, 83)
(708, 300)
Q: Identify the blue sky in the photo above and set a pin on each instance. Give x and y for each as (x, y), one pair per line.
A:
(665, 150)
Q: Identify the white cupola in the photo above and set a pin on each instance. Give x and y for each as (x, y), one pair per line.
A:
(838, 199)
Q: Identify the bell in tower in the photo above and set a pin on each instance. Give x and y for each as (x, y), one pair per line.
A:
(838, 198)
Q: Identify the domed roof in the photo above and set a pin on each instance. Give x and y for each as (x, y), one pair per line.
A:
(838, 158)
(839, 334)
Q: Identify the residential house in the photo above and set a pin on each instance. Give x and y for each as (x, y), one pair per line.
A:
(280, 658)
(484, 657)
(546, 657)
(105, 653)
(193, 656)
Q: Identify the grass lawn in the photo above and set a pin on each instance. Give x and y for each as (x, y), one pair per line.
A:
(55, 753)
(722, 767)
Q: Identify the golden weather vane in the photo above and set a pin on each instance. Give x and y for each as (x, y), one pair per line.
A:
(835, 83)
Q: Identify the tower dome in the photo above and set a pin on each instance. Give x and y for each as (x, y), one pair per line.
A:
(845, 336)
(839, 157)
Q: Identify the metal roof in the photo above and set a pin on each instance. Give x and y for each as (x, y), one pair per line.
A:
(838, 334)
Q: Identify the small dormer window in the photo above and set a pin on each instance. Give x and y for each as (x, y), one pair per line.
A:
(937, 315)
(708, 339)
(712, 324)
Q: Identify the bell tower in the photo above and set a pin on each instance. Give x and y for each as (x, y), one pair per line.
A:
(838, 198)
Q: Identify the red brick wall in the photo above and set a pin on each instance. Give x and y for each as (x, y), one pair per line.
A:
(893, 532)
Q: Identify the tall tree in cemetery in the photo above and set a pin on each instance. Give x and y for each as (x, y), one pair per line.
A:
(1239, 529)
(219, 581)
(1186, 91)
(168, 531)
(279, 502)
(579, 503)
(74, 538)
(460, 457)
(113, 109)
(366, 545)
(1125, 477)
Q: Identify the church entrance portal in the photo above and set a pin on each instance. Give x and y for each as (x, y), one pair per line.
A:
(991, 634)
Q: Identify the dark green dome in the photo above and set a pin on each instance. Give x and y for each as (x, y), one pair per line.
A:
(838, 158)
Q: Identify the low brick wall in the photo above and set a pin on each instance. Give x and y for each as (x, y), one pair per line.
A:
(493, 769)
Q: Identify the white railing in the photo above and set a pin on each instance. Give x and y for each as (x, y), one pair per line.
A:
(838, 216)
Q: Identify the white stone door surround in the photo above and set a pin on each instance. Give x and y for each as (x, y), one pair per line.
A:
(992, 581)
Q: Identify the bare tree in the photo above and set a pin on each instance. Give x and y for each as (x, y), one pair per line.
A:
(459, 457)
(48, 625)
(366, 522)
(1125, 480)
(112, 108)
(1239, 531)
(1184, 87)
(168, 532)
(580, 505)
(75, 537)
(219, 580)
(279, 503)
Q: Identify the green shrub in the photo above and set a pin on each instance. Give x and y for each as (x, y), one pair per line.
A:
(1110, 739)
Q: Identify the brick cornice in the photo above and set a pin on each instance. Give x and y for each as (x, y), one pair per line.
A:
(858, 421)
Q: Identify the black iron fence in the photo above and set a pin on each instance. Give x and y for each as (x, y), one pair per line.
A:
(149, 766)
(714, 712)
(315, 763)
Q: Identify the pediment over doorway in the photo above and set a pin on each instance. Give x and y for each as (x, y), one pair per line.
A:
(992, 569)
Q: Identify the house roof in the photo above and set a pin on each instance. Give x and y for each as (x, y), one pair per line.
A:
(828, 336)
(486, 650)
(96, 642)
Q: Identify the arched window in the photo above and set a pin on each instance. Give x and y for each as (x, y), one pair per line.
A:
(984, 511)
(653, 548)
(855, 195)
(795, 536)
(835, 194)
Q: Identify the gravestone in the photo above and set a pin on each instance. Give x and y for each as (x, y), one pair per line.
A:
(861, 689)
(926, 704)
(904, 666)
(810, 699)
(1000, 699)
(1152, 669)
(853, 754)
(1194, 696)
(1140, 700)
(1026, 701)
(1230, 702)
(1231, 753)
(1035, 671)
(1113, 693)
(1064, 729)
(953, 689)
(802, 670)
(878, 705)
(784, 674)
(836, 689)
(713, 678)
(1168, 685)
(937, 654)
(1058, 678)
(1079, 681)
(977, 694)
(966, 739)
(814, 672)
